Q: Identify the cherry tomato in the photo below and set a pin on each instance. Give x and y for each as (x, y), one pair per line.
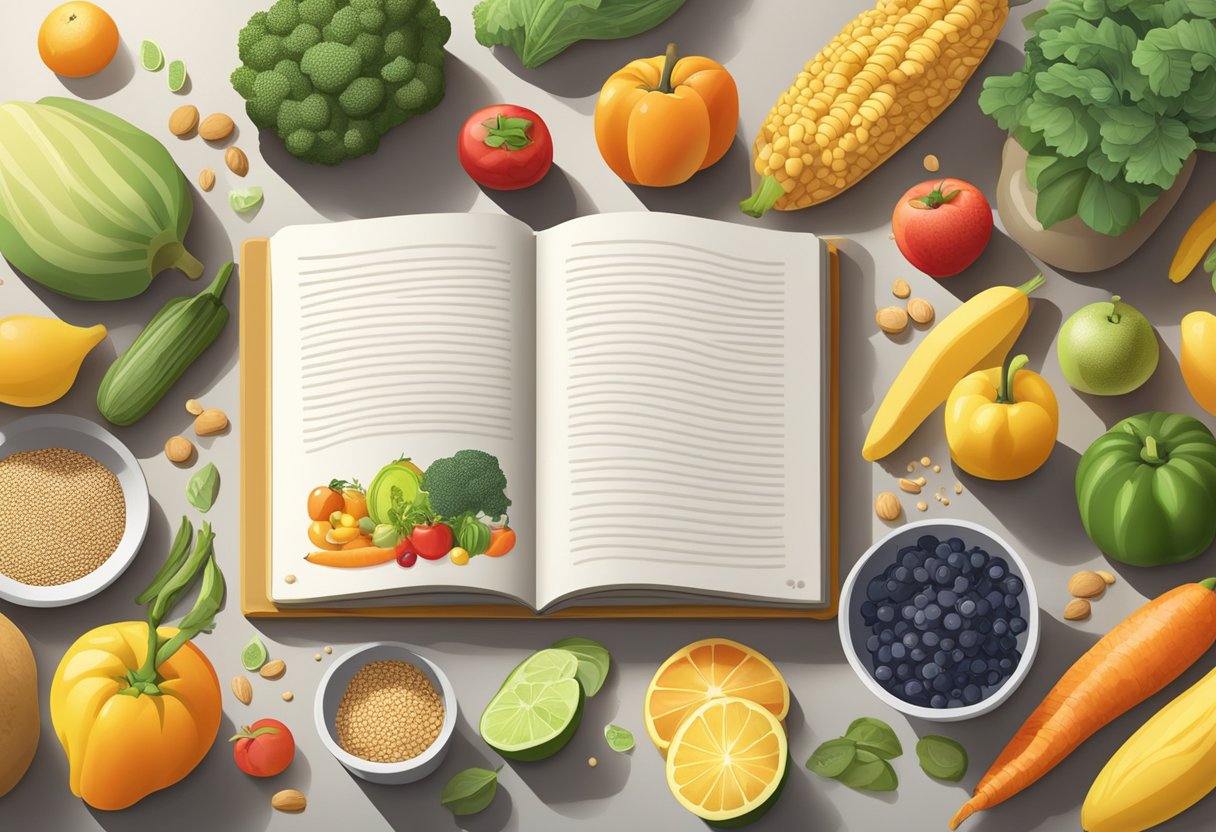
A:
(264, 749)
(942, 226)
(432, 542)
(505, 147)
(322, 502)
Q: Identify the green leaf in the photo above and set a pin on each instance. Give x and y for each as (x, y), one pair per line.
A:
(1169, 57)
(1005, 97)
(593, 662)
(254, 654)
(1044, 167)
(470, 791)
(1150, 149)
(619, 739)
(869, 772)
(177, 555)
(1099, 163)
(1059, 200)
(876, 736)
(941, 757)
(1108, 207)
(1209, 263)
(832, 757)
(1107, 46)
(1063, 13)
(203, 486)
(1063, 122)
(1089, 86)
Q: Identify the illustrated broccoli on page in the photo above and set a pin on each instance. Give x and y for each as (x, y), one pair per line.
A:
(466, 484)
(333, 76)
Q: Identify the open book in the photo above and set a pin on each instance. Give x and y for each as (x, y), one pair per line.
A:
(655, 389)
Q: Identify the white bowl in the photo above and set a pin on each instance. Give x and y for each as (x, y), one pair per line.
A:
(853, 632)
(333, 686)
(40, 431)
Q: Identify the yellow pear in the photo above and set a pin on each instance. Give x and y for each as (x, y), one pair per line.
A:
(40, 357)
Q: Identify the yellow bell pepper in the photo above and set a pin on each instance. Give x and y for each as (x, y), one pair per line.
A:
(1198, 360)
(1001, 423)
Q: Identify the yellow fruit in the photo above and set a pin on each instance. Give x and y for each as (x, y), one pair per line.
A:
(18, 706)
(1165, 768)
(708, 670)
(40, 357)
(727, 761)
(1198, 359)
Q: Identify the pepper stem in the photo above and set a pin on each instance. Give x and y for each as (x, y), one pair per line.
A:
(1114, 317)
(1013, 363)
(1210, 583)
(765, 197)
(1032, 284)
(669, 66)
(216, 289)
(1151, 453)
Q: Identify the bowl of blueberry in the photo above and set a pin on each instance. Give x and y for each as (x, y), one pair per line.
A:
(940, 620)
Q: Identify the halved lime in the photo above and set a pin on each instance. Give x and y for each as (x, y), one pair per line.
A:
(538, 708)
(392, 477)
(151, 56)
(177, 75)
(254, 655)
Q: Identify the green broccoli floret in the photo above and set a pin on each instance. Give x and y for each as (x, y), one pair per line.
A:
(331, 77)
(467, 483)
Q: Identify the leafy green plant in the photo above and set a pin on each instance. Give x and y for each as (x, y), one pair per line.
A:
(1113, 97)
(860, 758)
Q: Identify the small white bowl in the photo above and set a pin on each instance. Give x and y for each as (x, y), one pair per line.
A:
(853, 632)
(34, 433)
(329, 695)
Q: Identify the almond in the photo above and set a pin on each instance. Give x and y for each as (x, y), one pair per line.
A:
(922, 506)
(891, 319)
(909, 486)
(289, 800)
(931, 163)
(1078, 609)
(210, 422)
(206, 179)
(901, 289)
(1086, 584)
(194, 407)
(183, 120)
(887, 507)
(179, 449)
(920, 311)
(215, 127)
(273, 669)
(242, 690)
(1107, 577)
(236, 160)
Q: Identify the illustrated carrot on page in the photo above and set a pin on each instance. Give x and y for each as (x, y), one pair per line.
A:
(1143, 654)
(352, 558)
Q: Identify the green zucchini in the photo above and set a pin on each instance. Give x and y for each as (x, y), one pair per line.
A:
(169, 344)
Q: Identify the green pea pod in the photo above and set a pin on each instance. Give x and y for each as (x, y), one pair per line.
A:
(184, 576)
(177, 554)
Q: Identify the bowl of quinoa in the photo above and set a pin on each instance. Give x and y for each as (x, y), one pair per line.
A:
(73, 510)
(386, 713)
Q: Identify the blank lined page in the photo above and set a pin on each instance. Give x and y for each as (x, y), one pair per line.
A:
(679, 408)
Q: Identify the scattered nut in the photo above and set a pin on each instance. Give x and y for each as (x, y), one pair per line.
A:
(958, 488)
(922, 506)
(291, 579)
(329, 649)
(591, 761)
(931, 163)
(273, 669)
(242, 690)
(206, 179)
(1108, 577)
(1078, 609)
(925, 462)
(289, 800)
(179, 449)
(921, 481)
(945, 501)
(288, 696)
(236, 160)
(887, 507)
(901, 289)
(937, 469)
(211, 421)
(1086, 584)
(215, 127)
(909, 486)
(920, 311)
(316, 657)
(892, 319)
(194, 407)
(183, 120)
(911, 467)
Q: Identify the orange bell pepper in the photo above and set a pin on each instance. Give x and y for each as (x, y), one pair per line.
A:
(501, 541)
(660, 120)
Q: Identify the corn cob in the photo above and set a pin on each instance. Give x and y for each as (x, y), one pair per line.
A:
(889, 73)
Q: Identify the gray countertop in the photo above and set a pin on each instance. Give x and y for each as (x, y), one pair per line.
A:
(764, 43)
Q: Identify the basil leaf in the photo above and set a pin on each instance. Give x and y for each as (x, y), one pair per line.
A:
(832, 757)
(887, 781)
(203, 486)
(593, 662)
(869, 772)
(941, 757)
(619, 739)
(876, 736)
(470, 791)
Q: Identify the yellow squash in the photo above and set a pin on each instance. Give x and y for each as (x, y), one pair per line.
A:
(1198, 239)
(1165, 768)
(1198, 359)
(40, 357)
(977, 335)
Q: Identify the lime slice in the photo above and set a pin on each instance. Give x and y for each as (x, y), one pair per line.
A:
(619, 739)
(254, 655)
(538, 708)
(151, 57)
(177, 75)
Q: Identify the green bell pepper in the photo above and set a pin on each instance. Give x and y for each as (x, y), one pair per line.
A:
(1146, 489)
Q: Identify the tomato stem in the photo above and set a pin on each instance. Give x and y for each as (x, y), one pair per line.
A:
(1013, 364)
(1151, 453)
(669, 66)
(935, 198)
(507, 133)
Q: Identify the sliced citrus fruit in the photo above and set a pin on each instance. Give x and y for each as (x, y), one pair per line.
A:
(728, 761)
(177, 75)
(151, 56)
(707, 670)
(538, 708)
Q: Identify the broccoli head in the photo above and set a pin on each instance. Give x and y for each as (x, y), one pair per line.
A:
(333, 76)
(467, 483)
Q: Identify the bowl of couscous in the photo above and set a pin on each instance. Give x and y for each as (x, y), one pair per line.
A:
(386, 713)
(73, 510)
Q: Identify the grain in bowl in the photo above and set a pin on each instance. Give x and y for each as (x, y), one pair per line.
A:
(389, 713)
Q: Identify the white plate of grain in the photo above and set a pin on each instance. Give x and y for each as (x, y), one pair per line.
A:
(73, 510)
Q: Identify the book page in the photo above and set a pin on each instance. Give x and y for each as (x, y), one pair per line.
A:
(681, 421)
(402, 337)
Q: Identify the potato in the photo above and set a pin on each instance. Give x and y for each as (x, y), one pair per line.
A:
(18, 705)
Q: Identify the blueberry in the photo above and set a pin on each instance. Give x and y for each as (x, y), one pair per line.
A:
(930, 672)
(978, 558)
(1008, 643)
(876, 591)
(947, 643)
(978, 666)
(984, 626)
(1000, 626)
(957, 560)
(886, 636)
(902, 574)
(903, 671)
(1017, 625)
(907, 612)
(930, 639)
(966, 606)
(883, 673)
(898, 651)
(927, 543)
(1012, 604)
(941, 684)
(942, 550)
(996, 571)
(872, 644)
(1014, 585)
(913, 688)
(1005, 664)
(955, 702)
(961, 584)
(994, 677)
(900, 628)
(947, 598)
(892, 586)
(933, 612)
(917, 654)
(884, 654)
(910, 640)
(921, 575)
(942, 659)
(938, 701)
(909, 557)
(953, 621)
(956, 693)
(943, 575)
(920, 600)
(969, 638)
(919, 619)
(886, 613)
(971, 694)
(992, 647)
(957, 654)
(957, 544)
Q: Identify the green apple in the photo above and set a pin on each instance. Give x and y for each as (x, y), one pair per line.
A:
(1107, 348)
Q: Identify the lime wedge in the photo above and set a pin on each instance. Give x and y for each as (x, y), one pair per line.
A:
(254, 655)
(177, 75)
(151, 57)
(538, 708)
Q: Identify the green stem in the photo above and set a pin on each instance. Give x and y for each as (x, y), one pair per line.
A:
(1210, 583)
(765, 197)
(935, 198)
(669, 66)
(216, 289)
(1151, 453)
(1114, 317)
(1032, 284)
(1012, 365)
(173, 255)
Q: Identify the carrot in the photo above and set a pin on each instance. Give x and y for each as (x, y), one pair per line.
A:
(502, 541)
(1195, 242)
(352, 558)
(1143, 654)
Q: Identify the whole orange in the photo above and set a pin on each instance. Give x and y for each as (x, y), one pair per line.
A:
(78, 39)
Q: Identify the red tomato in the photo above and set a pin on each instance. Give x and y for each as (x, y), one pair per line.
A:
(942, 226)
(505, 147)
(264, 749)
(432, 542)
